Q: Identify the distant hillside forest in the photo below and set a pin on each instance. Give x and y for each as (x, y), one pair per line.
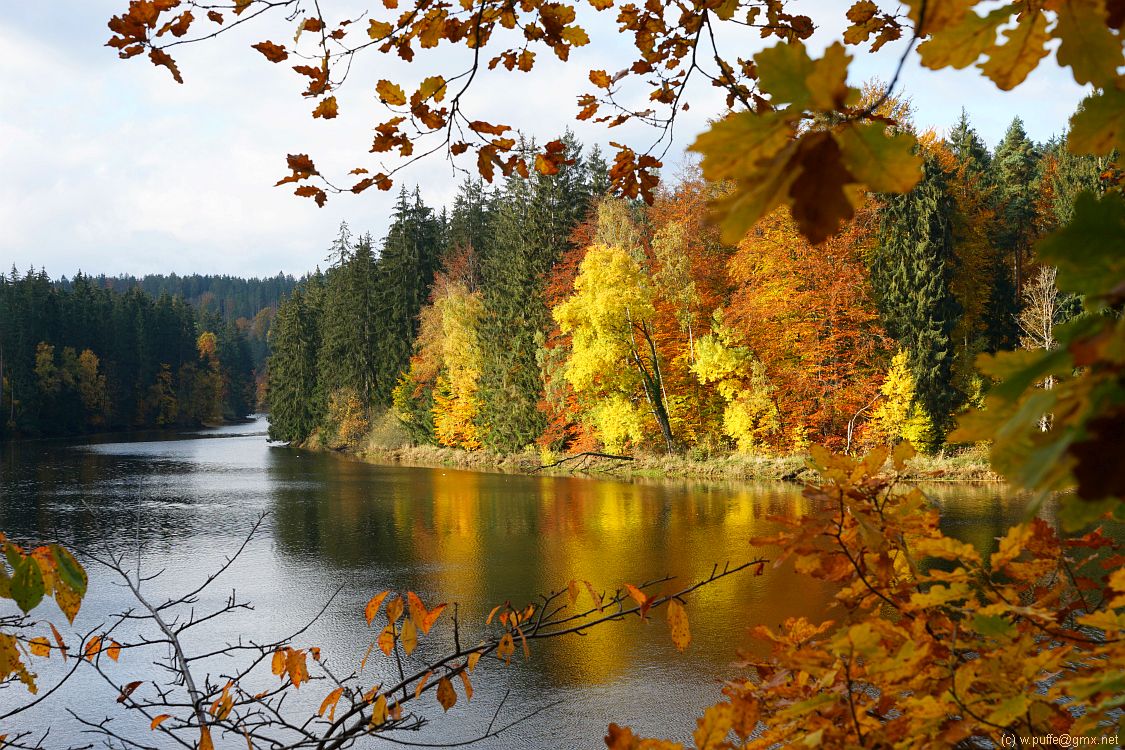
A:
(540, 312)
(77, 356)
(250, 303)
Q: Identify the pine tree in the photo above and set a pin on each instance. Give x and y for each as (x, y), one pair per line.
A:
(911, 270)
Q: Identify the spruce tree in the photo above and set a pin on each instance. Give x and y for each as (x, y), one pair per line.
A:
(405, 273)
(967, 146)
(1014, 172)
(911, 270)
(294, 396)
(349, 315)
(531, 223)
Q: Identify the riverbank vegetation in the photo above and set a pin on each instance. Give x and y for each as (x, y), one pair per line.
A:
(78, 358)
(543, 317)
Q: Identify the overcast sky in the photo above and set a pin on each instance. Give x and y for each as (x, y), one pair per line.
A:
(111, 167)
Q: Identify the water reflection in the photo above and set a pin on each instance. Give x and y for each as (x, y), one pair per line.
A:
(473, 538)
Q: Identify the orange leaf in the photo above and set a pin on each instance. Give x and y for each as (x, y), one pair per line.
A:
(422, 683)
(468, 685)
(446, 695)
(295, 666)
(372, 607)
(128, 690)
(390, 93)
(506, 648)
(205, 739)
(387, 640)
(636, 594)
(40, 646)
(330, 702)
(93, 647)
(678, 625)
(594, 595)
(394, 610)
(327, 108)
(379, 711)
(492, 614)
(114, 650)
(422, 618)
(275, 53)
(162, 58)
(409, 636)
(59, 641)
(158, 720)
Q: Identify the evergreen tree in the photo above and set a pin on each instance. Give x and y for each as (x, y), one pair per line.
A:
(911, 270)
(294, 396)
(967, 146)
(349, 315)
(532, 220)
(1014, 171)
(469, 221)
(405, 273)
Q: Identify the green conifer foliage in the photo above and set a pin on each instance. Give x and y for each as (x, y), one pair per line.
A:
(911, 270)
(531, 225)
(295, 400)
(404, 275)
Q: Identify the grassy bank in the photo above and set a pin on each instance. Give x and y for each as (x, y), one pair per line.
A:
(386, 443)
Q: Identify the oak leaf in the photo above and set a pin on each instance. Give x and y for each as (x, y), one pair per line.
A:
(326, 109)
(390, 93)
(275, 53)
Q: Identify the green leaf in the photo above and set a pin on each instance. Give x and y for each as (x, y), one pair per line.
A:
(27, 585)
(1098, 127)
(993, 626)
(783, 72)
(885, 163)
(1088, 250)
(1086, 44)
(69, 570)
(963, 44)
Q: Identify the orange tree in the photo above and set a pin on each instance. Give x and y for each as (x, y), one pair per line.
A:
(936, 645)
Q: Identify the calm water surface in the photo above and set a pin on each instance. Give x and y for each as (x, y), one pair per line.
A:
(187, 500)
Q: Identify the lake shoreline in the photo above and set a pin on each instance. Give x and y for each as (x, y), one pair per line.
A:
(970, 465)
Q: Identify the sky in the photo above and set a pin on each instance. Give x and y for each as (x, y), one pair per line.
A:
(111, 167)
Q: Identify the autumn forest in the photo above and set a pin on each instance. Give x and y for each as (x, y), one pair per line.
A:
(545, 313)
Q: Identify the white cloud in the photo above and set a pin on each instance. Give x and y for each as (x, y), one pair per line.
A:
(111, 167)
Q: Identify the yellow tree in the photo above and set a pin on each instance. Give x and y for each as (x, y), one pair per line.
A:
(456, 403)
(613, 356)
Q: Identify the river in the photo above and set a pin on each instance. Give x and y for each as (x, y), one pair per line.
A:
(187, 500)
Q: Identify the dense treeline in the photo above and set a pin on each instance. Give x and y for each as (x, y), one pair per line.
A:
(81, 358)
(543, 312)
(250, 303)
(232, 297)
